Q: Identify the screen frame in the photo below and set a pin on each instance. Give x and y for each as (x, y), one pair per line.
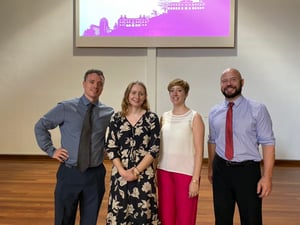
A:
(158, 42)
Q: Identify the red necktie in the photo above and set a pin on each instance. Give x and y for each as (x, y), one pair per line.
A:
(229, 138)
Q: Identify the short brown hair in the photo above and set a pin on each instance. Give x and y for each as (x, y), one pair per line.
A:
(90, 71)
(179, 82)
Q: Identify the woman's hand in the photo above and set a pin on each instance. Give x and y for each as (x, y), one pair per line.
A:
(194, 188)
(129, 174)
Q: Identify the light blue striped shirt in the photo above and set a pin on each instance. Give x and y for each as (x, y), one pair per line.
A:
(252, 126)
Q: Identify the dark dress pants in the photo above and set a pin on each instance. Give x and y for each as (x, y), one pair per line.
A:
(236, 184)
(73, 189)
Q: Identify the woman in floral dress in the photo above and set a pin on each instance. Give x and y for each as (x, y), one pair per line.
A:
(133, 143)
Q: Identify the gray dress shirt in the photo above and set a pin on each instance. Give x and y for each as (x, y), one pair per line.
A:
(68, 116)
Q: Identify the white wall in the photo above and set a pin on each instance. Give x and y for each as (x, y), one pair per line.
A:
(39, 67)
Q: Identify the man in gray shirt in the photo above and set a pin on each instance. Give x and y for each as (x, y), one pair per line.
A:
(76, 187)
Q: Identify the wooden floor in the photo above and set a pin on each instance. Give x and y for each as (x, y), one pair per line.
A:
(26, 194)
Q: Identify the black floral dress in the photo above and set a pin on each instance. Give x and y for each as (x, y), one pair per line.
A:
(135, 202)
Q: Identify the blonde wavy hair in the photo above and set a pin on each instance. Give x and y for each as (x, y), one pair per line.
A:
(125, 102)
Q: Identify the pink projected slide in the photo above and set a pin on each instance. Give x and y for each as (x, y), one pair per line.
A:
(155, 18)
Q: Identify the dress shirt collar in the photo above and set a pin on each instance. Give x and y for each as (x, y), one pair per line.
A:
(87, 102)
(237, 102)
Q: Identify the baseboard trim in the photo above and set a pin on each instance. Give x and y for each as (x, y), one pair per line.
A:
(278, 162)
(23, 157)
(287, 163)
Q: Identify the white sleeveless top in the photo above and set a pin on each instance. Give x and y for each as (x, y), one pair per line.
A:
(177, 147)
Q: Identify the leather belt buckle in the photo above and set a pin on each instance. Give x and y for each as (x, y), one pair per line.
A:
(230, 163)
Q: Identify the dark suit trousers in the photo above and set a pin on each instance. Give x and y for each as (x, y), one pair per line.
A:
(236, 184)
(74, 189)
